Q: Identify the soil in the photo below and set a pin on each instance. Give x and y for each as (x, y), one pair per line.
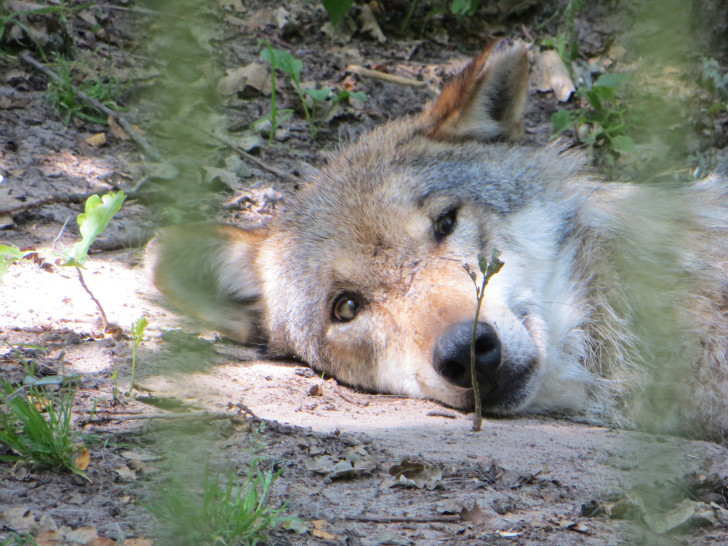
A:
(204, 404)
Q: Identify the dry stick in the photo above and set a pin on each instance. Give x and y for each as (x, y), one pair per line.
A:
(230, 144)
(140, 140)
(369, 73)
(97, 302)
(172, 416)
(404, 519)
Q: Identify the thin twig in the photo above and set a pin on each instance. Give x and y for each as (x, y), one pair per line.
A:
(376, 74)
(180, 416)
(140, 140)
(405, 519)
(232, 145)
(97, 302)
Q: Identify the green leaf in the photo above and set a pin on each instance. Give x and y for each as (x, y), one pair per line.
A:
(623, 143)
(137, 330)
(610, 80)
(8, 256)
(344, 95)
(318, 94)
(358, 95)
(281, 59)
(482, 262)
(337, 9)
(562, 120)
(99, 211)
(464, 7)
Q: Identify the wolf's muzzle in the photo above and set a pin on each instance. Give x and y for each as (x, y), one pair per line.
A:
(451, 356)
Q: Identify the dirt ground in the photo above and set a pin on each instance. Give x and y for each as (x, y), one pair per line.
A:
(191, 85)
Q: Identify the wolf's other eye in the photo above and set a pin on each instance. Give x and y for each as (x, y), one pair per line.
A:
(345, 308)
(445, 224)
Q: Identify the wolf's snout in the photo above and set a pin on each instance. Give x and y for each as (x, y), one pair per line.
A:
(451, 356)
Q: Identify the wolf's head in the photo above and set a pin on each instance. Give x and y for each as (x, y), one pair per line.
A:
(364, 275)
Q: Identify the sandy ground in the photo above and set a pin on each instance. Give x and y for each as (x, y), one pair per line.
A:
(531, 478)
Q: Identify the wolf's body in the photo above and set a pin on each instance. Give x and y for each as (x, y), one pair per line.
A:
(612, 303)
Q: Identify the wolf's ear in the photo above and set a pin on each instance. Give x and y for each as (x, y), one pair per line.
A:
(486, 100)
(209, 273)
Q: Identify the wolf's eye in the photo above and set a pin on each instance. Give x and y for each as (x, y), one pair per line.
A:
(345, 308)
(445, 224)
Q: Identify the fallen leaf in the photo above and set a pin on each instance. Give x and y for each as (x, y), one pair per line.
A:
(687, 514)
(230, 179)
(474, 515)
(579, 528)
(254, 75)
(369, 24)
(125, 474)
(414, 474)
(83, 460)
(296, 525)
(449, 506)
(324, 535)
(116, 129)
(17, 518)
(97, 140)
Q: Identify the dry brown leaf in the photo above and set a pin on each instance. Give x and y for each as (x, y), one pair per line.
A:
(254, 75)
(474, 515)
(97, 140)
(83, 460)
(369, 24)
(414, 474)
(324, 535)
(125, 474)
(49, 538)
(116, 129)
(17, 518)
(318, 530)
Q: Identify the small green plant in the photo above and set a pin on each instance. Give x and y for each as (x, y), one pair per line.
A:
(290, 65)
(712, 77)
(276, 116)
(232, 512)
(35, 423)
(137, 332)
(487, 269)
(565, 43)
(63, 95)
(97, 214)
(603, 124)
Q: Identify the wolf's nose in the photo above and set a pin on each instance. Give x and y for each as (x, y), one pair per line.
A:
(451, 356)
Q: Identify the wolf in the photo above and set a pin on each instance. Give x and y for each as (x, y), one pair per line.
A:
(611, 305)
